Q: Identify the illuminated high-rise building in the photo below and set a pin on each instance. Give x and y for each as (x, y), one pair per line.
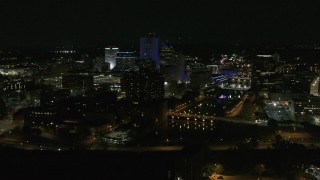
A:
(149, 49)
(125, 60)
(314, 87)
(142, 85)
(167, 54)
(111, 55)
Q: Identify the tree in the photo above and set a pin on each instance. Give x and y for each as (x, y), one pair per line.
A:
(279, 142)
(218, 168)
(207, 170)
(211, 169)
(278, 138)
(259, 169)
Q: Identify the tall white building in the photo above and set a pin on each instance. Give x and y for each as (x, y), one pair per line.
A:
(111, 55)
(314, 87)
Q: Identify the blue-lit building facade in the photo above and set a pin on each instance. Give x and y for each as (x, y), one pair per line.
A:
(149, 49)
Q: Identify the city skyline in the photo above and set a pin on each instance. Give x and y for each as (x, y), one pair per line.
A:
(170, 90)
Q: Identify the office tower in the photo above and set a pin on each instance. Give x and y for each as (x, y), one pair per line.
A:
(142, 85)
(125, 60)
(149, 49)
(314, 87)
(110, 56)
(172, 64)
(167, 54)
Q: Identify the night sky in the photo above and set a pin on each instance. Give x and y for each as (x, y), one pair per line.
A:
(51, 23)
